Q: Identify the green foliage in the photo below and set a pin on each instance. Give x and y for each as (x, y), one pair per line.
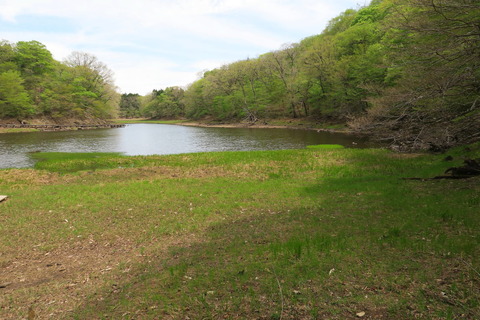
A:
(166, 103)
(395, 68)
(7, 56)
(34, 84)
(370, 14)
(14, 99)
(330, 74)
(340, 23)
(431, 55)
(195, 104)
(130, 106)
(33, 58)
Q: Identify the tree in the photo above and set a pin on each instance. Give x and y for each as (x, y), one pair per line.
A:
(218, 93)
(14, 99)
(130, 105)
(340, 23)
(407, 70)
(33, 83)
(7, 57)
(243, 87)
(284, 65)
(166, 103)
(94, 87)
(194, 100)
(95, 71)
(318, 70)
(433, 54)
(33, 58)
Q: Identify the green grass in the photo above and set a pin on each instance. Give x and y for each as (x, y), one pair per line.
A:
(293, 234)
(64, 162)
(16, 130)
(326, 146)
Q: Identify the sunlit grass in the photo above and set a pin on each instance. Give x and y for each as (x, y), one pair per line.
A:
(326, 146)
(17, 130)
(71, 162)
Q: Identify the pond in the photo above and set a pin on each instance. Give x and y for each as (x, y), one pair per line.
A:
(149, 139)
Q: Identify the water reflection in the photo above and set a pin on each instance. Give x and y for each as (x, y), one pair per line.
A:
(147, 139)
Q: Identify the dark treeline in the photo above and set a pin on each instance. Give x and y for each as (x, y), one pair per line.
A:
(33, 85)
(406, 71)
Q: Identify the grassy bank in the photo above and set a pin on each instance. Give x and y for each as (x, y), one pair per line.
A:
(297, 234)
(16, 130)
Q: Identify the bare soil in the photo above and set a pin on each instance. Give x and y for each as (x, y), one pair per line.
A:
(64, 278)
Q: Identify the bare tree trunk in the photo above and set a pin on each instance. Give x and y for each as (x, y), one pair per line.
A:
(293, 109)
(305, 108)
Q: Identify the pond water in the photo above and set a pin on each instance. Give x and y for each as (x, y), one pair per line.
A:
(148, 139)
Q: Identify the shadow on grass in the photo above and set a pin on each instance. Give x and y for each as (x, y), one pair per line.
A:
(370, 242)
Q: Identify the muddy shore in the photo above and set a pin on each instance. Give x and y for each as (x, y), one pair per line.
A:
(292, 125)
(48, 124)
(45, 124)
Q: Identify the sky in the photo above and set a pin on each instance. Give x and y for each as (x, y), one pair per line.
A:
(154, 44)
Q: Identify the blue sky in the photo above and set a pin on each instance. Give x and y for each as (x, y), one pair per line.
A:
(154, 44)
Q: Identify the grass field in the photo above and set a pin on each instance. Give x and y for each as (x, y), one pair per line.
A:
(320, 233)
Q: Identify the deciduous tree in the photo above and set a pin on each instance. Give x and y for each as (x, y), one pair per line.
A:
(14, 99)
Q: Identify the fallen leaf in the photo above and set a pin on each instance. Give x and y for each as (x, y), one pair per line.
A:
(361, 314)
(31, 314)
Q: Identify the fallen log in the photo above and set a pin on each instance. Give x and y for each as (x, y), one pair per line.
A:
(470, 169)
(439, 178)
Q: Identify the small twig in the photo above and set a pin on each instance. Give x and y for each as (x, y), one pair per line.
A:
(280, 290)
(471, 267)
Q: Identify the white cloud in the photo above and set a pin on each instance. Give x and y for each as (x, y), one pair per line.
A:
(157, 43)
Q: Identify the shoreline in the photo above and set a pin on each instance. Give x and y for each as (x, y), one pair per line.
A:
(11, 128)
(40, 125)
(49, 125)
(293, 125)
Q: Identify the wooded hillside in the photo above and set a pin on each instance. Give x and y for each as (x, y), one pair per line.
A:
(404, 71)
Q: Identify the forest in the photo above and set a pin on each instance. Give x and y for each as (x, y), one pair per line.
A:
(402, 71)
(33, 84)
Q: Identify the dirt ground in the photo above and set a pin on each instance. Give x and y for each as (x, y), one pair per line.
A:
(52, 284)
